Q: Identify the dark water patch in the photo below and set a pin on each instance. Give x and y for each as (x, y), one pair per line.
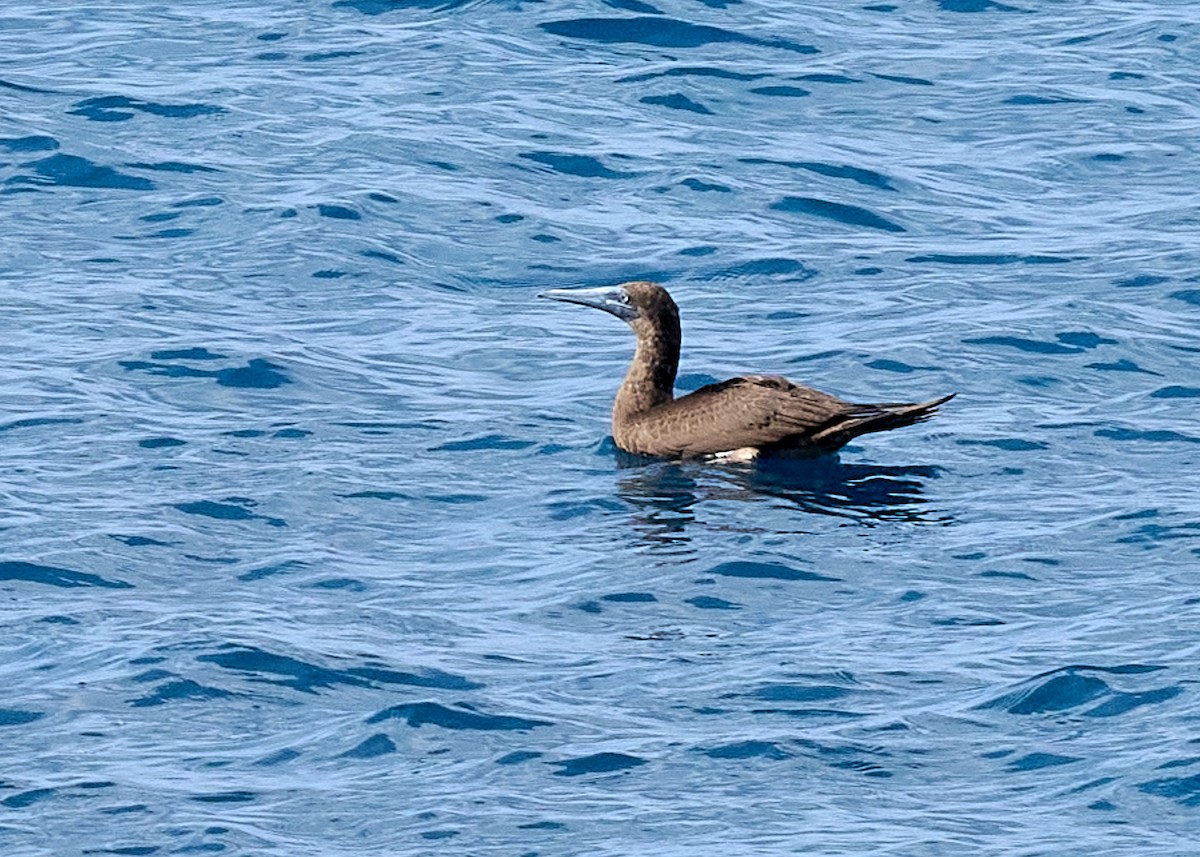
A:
(851, 215)
(380, 7)
(1176, 392)
(459, 717)
(1084, 339)
(900, 78)
(793, 269)
(328, 274)
(592, 607)
(634, 6)
(258, 374)
(437, 835)
(1122, 365)
(231, 509)
(180, 689)
(1078, 686)
(676, 101)
(292, 434)
(17, 717)
(1007, 575)
(172, 167)
(272, 56)
(1030, 100)
(267, 667)
(128, 850)
(1140, 281)
(1123, 703)
(1139, 515)
(1031, 346)
(1180, 763)
(426, 677)
(119, 108)
(382, 255)
(597, 763)
(509, 218)
(153, 675)
(58, 620)
(1038, 761)
(967, 622)
(710, 602)
(704, 187)
(186, 354)
(518, 757)
(271, 570)
(860, 175)
(1154, 534)
(21, 87)
(1184, 790)
(1191, 296)
(171, 233)
(322, 56)
(781, 91)
(33, 143)
(766, 571)
(821, 77)
(50, 575)
(1009, 444)
(74, 171)
(660, 32)
(337, 212)
(693, 71)
(35, 422)
(161, 217)
(378, 495)
(226, 797)
(486, 442)
(21, 800)
(161, 442)
(989, 259)
(1151, 436)
(630, 598)
(279, 757)
(456, 499)
(337, 584)
(1058, 691)
(125, 810)
(795, 693)
(899, 367)
(974, 6)
(371, 748)
(582, 166)
(748, 750)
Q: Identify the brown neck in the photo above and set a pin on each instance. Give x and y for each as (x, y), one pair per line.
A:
(650, 380)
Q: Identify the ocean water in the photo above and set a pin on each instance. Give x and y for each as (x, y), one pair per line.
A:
(312, 538)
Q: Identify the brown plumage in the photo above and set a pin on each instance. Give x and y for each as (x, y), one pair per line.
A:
(740, 418)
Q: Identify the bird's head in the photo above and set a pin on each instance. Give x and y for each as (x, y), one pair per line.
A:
(645, 306)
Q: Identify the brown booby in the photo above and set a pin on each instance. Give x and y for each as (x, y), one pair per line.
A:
(740, 418)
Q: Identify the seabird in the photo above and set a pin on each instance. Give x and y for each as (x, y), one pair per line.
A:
(739, 419)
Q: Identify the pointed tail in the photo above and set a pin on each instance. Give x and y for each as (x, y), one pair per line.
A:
(862, 419)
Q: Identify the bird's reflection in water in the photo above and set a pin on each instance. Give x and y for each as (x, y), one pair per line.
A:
(667, 492)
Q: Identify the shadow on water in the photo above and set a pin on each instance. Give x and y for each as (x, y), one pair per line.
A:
(667, 493)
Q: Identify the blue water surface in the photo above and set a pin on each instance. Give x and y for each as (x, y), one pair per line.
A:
(313, 540)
